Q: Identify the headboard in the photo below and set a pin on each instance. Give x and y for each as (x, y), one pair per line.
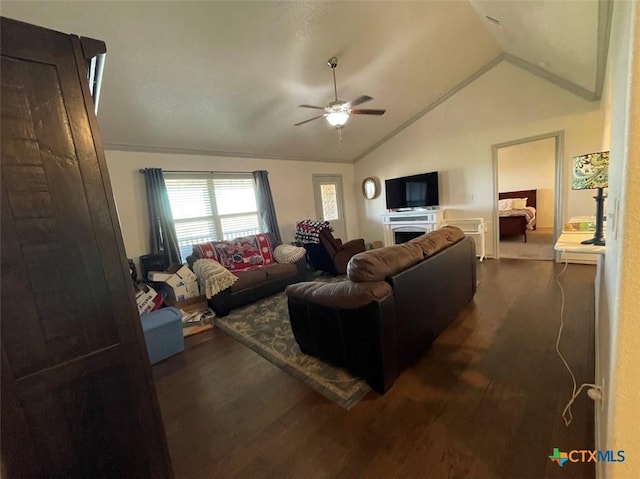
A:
(530, 195)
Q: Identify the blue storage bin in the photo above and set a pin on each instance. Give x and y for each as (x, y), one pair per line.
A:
(163, 333)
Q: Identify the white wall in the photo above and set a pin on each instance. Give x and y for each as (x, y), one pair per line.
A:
(618, 327)
(291, 186)
(455, 138)
(530, 166)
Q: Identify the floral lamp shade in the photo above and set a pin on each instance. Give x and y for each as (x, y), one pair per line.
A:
(591, 171)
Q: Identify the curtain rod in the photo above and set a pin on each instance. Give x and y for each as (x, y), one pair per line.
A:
(142, 170)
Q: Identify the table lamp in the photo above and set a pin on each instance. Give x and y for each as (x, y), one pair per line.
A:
(591, 171)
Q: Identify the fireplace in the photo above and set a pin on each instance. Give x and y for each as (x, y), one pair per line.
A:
(404, 236)
(400, 227)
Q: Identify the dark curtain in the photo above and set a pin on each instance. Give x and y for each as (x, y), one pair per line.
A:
(265, 203)
(163, 231)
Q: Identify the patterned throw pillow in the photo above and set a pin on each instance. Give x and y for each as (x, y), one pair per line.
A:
(286, 253)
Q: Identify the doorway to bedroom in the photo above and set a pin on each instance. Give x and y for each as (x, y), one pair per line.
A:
(527, 197)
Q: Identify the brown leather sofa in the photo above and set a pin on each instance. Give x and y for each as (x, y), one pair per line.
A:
(254, 284)
(394, 304)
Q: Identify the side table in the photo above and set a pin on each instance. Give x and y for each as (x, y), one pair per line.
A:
(572, 251)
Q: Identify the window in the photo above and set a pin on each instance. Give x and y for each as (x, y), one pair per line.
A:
(329, 202)
(212, 207)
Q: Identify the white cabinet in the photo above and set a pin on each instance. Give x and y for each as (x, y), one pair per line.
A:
(475, 228)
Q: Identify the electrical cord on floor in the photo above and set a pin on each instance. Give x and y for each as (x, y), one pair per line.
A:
(567, 415)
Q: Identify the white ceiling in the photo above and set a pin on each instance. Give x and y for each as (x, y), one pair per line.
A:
(226, 77)
(558, 36)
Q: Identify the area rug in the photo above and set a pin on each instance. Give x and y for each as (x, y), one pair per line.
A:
(264, 327)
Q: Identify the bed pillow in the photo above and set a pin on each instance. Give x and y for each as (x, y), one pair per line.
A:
(519, 203)
(505, 204)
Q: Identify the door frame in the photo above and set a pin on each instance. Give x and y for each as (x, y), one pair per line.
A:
(340, 206)
(558, 207)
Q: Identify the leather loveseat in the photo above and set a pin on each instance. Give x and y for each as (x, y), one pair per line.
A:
(254, 283)
(396, 301)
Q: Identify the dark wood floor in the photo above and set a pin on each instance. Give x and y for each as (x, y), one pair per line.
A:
(483, 402)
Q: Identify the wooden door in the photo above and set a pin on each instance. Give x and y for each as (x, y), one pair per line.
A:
(78, 398)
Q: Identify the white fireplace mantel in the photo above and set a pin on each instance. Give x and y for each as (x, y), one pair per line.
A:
(418, 221)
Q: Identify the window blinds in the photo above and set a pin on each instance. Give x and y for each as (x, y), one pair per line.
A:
(212, 207)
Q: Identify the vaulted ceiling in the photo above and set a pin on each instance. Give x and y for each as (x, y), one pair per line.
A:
(226, 77)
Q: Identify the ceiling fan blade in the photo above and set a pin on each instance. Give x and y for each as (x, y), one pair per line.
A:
(311, 106)
(307, 121)
(359, 101)
(368, 112)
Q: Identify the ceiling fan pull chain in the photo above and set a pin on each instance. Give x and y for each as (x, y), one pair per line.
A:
(339, 139)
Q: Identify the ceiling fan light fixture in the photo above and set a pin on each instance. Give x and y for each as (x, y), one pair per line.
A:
(337, 118)
(337, 112)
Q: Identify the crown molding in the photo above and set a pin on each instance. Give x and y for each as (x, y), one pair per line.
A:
(551, 77)
(605, 16)
(605, 13)
(470, 79)
(195, 151)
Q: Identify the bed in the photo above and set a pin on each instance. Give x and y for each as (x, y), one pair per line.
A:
(519, 220)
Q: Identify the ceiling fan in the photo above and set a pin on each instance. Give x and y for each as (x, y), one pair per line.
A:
(337, 112)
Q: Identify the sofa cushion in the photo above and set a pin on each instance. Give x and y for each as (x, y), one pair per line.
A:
(277, 270)
(238, 253)
(438, 240)
(249, 278)
(343, 295)
(377, 264)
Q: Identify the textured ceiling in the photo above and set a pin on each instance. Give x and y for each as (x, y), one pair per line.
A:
(558, 36)
(226, 77)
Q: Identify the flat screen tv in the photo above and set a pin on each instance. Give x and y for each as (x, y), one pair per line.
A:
(412, 191)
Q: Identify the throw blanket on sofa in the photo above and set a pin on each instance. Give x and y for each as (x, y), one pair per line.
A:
(308, 231)
(213, 276)
(238, 253)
